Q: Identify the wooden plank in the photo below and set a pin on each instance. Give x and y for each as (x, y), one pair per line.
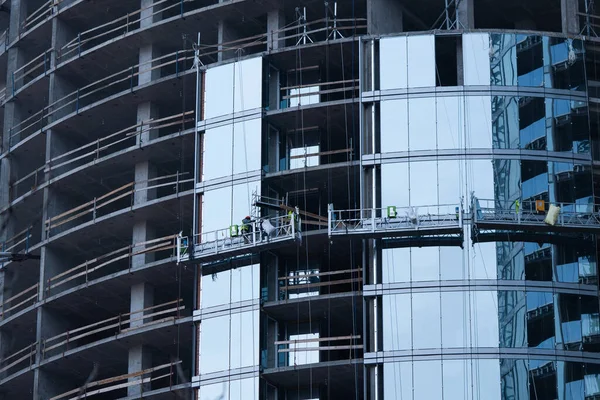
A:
(323, 153)
(18, 361)
(20, 304)
(321, 339)
(19, 294)
(320, 284)
(24, 349)
(322, 348)
(117, 378)
(320, 92)
(320, 84)
(327, 273)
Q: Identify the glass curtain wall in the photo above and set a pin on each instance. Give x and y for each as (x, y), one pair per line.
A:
(231, 151)
(500, 319)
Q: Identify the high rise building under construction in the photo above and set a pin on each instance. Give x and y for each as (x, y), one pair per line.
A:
(279, 200)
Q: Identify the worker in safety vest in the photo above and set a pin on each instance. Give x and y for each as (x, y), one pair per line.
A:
(246, 226)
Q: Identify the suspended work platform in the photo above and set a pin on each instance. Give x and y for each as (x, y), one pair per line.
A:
(240, 240)
(532, 221)
(406, 226)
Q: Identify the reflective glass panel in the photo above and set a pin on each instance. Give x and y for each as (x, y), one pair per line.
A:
(505, 123)
(422, 127)
(397, 380)
(395, 265)
(486, 384)
(244, 339)
(542, 379)
(452, 265)
(484, 319)
(476, 56)
(214, 351)
(218, 151)
(423, 183)
(478, 117)
(421, 61)
(456, 320)
(540, 320)
(397, 322)
(568, 321)
(248, 84)
(425, 264)
(394, 181)
(515, 379)
(218, 92)
(448, 182)
(426, 321)
(457, 379)
(512, 318)
(564, 60)
(246, 147)
(530, 60)
(449, 122)
(427, 378)
(532, 123)
(504, 59)
(393, 65)
(394, 125)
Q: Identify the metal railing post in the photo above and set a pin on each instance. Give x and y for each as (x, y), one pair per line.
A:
(79, 44)
(181, 8)
(45, 61)
(177, 184)
(177, 63)
(94, 210)
(97, 149)
(127, 23)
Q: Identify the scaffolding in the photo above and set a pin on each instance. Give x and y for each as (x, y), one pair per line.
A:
(532, 216)
(239, 240)
(395, 222)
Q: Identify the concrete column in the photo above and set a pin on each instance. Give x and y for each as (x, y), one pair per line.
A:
(148, 53)
(145, 112)
(140, 357)
(142, 232)
(143, 172)
(149, 13)
(569, 17)
(275, 22)
(226, 34)
(384, 16)
(5, 348)
(61, 34)
(18, 11)
(466, 14)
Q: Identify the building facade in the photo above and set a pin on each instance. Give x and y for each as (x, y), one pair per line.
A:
(242, 199)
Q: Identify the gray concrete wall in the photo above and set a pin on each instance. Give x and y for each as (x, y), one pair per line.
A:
(466, 14)
(384, 16)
